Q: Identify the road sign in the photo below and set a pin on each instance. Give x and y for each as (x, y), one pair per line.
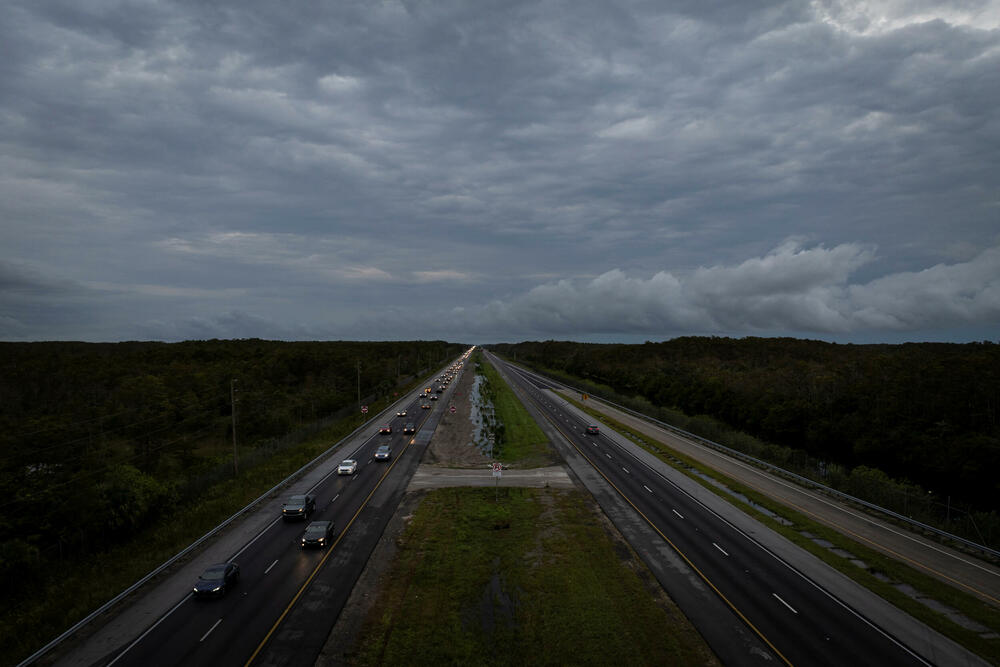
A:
(452, 409)
(364, 409)
(497, 466)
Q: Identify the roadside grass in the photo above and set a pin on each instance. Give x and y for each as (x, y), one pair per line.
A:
(524, 443)
(876, 562)
(28, 624)
(531, 579)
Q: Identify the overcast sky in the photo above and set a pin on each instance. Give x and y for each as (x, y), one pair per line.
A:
(500, 171)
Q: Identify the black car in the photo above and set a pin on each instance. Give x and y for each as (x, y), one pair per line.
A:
(214, 581)
(593, 430)
(298, 507)
(409, 428)
(318, 534)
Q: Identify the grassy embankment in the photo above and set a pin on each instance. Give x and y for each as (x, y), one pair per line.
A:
(531, 579)
(520, 442)
(26, 627)
(896, 571)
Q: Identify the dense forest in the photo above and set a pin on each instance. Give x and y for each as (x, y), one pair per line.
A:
(99, 440)
(922, 412)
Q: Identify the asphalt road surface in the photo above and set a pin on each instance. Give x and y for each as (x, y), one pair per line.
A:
(802, 617)
(288, 597)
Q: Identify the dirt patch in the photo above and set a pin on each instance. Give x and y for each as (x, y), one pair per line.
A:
(452, 445)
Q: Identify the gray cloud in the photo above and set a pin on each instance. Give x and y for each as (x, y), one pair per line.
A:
(176, 161)
(805, 290)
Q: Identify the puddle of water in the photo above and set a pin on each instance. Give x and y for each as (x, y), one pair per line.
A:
(739, 496)
(480, 414)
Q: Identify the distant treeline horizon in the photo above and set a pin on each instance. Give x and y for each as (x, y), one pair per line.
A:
(922, 412)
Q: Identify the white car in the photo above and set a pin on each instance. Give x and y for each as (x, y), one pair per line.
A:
(347, 467)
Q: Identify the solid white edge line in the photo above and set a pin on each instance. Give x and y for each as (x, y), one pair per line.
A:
(210, 630)
(151, 628)
(830, 596)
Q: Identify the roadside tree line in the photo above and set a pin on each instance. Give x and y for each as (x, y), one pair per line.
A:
(99, 440)
(914, 424)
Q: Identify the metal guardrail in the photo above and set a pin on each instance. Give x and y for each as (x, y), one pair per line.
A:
(778, 470)
(191, 547)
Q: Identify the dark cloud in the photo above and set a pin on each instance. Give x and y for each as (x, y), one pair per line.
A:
(300, 164)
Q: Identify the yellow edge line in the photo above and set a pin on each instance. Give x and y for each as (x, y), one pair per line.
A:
(668, 541)
(329, 552)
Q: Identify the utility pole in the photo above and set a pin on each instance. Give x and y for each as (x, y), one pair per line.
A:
(232, 399)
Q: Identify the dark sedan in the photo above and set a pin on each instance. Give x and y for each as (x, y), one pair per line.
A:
(298, 507)
(214, 581)
(318, 534)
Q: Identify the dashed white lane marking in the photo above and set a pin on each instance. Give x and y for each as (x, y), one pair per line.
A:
(210, 630)
(778, 598)
(270, 566)
(626, 471)
(647, 488)
(720, 548)
(677, 513)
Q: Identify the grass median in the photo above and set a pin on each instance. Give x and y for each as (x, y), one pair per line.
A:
(533, 578)
(522, 442)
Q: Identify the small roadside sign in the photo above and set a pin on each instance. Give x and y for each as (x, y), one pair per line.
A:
(364, 409)
(497, 467)
(452, 409)
(584, 396)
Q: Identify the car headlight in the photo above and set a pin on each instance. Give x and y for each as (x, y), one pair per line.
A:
(217, 589)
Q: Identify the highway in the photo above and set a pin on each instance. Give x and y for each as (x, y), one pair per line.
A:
(800, 622)
(256, 618)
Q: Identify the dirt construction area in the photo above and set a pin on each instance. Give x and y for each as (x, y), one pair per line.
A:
(454, 458)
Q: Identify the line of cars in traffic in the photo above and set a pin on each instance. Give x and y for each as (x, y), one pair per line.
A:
(216, 579)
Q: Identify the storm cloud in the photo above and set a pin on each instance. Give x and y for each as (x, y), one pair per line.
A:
(486, 171)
